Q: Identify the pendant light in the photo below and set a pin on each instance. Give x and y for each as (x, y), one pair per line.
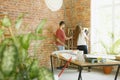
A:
(54, 5)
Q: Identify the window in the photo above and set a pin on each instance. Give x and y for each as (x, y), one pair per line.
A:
(105, 19)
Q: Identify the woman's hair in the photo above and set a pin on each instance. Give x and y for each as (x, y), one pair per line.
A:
(77, 31)
(78, 28)
(86, 31)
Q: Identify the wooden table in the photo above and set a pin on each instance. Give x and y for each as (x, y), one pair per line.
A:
(87, 64)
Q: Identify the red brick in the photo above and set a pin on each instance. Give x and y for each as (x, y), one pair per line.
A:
(71, 12)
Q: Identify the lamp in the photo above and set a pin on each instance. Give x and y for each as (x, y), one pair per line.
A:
(54, 5)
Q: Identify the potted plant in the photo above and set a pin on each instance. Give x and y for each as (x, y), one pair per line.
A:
(112, 49)
(15, 62)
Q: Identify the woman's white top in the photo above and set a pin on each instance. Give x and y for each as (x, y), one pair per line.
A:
(81, 39)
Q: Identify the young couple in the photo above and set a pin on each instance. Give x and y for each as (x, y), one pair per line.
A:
(79, 34)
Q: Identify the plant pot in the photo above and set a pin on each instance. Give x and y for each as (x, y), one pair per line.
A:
(107, 69)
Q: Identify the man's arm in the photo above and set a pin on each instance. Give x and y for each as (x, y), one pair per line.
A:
(67, 38)
(58, 40)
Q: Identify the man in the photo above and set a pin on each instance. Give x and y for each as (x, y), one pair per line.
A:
(61, 37)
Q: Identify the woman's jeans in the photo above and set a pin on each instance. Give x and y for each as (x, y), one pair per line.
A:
(83, 48)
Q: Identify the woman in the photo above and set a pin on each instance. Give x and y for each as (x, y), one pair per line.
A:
(81, 38)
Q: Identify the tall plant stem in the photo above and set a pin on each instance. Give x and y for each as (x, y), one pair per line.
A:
(13, 36)
(36, 46)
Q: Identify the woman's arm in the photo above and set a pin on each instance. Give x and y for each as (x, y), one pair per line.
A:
(86, 37)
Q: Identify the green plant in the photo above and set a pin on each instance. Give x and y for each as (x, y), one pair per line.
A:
(15, 62)
(114, 47)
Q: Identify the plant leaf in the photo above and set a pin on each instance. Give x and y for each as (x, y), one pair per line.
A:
(6, 22)
(42, 74)
(23, 54)
(36, 37)
(19, 21)
(40, 26)
(105, 47)
(116, 43)
(116, 46)
(34, 69)
(25, 41)
(1, 32)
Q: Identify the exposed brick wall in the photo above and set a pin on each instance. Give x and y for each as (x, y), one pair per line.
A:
(77, 11)
(36, 10)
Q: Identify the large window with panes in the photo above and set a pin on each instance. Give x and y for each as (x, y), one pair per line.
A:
(105, 24)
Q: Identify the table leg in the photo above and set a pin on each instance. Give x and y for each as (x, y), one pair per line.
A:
(51, 60)
(117, 72)
(80, 71)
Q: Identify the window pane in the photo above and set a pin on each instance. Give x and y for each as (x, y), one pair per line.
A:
(101, 24)
(117, 20)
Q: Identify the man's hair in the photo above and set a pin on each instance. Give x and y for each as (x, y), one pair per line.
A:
(61, 23)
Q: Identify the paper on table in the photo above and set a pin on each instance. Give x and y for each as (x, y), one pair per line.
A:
(68, 56)
(74, 52)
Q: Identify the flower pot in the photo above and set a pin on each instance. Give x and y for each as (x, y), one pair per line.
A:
(107, 69)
